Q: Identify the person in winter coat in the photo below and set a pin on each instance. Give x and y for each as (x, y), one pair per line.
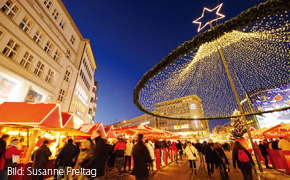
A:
(40, 160)
(65, 159)
(97, 158)
(120, 151)
(141, 157)
(207, 150)
(192, 155)
(263, 148)
(150, 147)
(111, 161)
(179, 147)
(198, 146)
(128, 153)
(174, 150)
(220, 160)
(11, 150)
(3, 172)
(244, 160)
(86, 145)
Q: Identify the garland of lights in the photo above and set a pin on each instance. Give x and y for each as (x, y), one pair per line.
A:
(246, 18)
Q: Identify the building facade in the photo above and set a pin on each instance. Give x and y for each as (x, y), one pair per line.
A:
(189, 106)
(42, 54)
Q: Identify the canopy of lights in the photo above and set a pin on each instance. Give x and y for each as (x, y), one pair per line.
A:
(195, 85)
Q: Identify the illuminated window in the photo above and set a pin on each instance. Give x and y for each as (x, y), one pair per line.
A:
(26, 60)
(61, 95)
(10, 9)
(57, 55)
(49, 76)
(67, 76)
(48, 47)
(38, 37)
(62, 24)
(48, 4)
(39, 69)
(11, 49)
(55, 14)
(25, 24)
(72, 39)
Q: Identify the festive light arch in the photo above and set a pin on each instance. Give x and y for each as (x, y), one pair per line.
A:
(246, 18)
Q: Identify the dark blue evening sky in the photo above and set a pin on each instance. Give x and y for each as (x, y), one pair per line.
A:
(129, 37)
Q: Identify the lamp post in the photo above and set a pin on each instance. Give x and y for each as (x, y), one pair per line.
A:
(238, 101)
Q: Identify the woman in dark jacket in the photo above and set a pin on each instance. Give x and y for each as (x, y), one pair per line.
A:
(220, 160)
(40, 160)
(141, 157)
(209, 157)
(263, 148)
(244, 160)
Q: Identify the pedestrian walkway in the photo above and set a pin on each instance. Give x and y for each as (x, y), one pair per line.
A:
(183, 171)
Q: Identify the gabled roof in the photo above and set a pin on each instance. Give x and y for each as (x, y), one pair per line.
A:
(89, 128)
(110, 133)
(67, 120)
(31, 114)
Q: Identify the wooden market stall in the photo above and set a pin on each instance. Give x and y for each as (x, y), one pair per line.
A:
(32, 123)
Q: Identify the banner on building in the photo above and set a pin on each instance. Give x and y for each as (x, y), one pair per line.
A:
(8, 88)
(33, 96)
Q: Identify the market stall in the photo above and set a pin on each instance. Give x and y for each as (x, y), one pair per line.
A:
(32, 123)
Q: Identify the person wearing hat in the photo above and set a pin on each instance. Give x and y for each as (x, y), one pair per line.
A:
(40, 159)
(12, 150)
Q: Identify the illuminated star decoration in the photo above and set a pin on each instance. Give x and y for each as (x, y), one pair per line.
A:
(219, 16)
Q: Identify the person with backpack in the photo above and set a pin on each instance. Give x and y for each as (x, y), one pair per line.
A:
(243, 159)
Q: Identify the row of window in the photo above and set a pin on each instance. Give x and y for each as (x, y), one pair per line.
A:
(11, 50)
(88, 70)
(55, 15)
(26, 24)
(11, 9)
(84, 79)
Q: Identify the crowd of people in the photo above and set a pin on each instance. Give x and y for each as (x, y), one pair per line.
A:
(278, 144)
(95, 156)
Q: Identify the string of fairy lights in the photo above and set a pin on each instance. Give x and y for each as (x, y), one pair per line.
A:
(258, 56)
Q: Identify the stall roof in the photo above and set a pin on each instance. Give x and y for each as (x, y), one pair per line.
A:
(89, 128)
(148, 132)
(31, 114)
(67, 120)
(110, 133)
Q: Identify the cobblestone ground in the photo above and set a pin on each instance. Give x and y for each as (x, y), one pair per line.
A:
(181, 171)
